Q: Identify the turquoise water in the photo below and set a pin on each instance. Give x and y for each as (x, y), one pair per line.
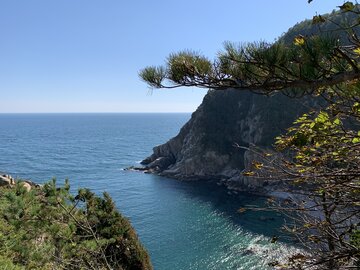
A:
(184, 225)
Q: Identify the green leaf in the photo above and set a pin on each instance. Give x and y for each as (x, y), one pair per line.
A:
(357, 50)
(322, 117)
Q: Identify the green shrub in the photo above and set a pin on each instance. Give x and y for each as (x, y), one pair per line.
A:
(49, 228)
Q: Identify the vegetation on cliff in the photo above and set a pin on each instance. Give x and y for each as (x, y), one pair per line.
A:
(322, 148)
(49, 228)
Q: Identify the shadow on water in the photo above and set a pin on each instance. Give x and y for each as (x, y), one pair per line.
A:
(267, 223)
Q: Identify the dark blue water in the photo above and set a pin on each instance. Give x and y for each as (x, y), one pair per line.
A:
(183, 225)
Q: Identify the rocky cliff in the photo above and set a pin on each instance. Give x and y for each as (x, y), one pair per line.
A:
(205, 146)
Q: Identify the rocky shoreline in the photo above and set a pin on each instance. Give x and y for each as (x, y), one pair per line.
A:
(7, 180)
(206, 146)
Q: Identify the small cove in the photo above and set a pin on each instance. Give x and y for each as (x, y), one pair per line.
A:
(184, 225)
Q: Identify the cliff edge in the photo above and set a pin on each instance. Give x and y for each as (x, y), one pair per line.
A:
(205, 146)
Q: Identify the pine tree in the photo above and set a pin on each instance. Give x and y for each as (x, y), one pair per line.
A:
(49, 228)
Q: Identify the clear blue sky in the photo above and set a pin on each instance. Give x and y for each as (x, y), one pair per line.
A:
(84, 55)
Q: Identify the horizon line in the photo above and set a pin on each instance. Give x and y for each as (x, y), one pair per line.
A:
(87, 112)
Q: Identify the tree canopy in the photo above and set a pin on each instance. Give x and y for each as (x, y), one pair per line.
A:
(49, 228)
(309, 63)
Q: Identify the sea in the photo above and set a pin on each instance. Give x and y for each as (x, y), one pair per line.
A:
(183, 225)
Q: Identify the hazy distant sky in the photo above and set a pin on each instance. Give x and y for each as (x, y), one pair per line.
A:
(85, 55)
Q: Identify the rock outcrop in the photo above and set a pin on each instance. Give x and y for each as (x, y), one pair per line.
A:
(10, 182)
(6, 180)
(205, 146)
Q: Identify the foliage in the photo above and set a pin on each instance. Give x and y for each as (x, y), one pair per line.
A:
(299, 67)
(321, 164)
(324, 174)
(48, 228)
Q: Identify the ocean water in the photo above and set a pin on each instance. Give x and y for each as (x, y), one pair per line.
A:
(183, 225)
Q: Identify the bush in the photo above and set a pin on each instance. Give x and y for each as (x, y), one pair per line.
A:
(49, 228)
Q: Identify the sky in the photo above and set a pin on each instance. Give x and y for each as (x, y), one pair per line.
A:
(85, 55)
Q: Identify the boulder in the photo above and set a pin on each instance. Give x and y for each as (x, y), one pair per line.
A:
(7, 180)
(26, 185)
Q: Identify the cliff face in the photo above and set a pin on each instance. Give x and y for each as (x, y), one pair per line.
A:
(205, 146)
